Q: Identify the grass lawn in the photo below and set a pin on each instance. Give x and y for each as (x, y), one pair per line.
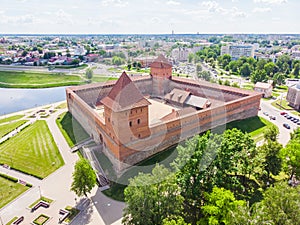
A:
(255, 126)
(11, 118)
(97, 79)
(36, 80)
(284, 103)
(32, 151)
(7, 128)
(9, 191)
(62, 106)
(71, 129)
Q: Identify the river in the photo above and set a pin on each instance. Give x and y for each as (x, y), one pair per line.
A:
(15, 99)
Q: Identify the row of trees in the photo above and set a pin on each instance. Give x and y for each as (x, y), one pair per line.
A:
(217, 179)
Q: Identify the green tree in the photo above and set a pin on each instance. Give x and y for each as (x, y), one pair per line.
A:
(175, 221)
(281, 205)
(270, 69)
(233, 66)
(129, 66)
(205, 75)
(245, 70)
(278, 78)
(89, 73)
(116, 60)
(290, 156)
(151, 198)
(271, 133)
(191, 57)
(218, 205)
(198, 68)
(296, 70)
(227, 83)
(259, 76)
(260, 65)
(84, 178)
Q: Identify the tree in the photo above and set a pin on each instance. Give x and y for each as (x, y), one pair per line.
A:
(75, 62)
(227, 83)
(233, 66)
(129, 66)
(270, 69)
(24, 53)
(151, 198)
(290, 156)
(84, 178)
(191, 57)
(272, 160)
(281, 204)
(116, 60)
(258, 76)
(260, 65)
(175, 221)
(245, 70)
(271, 133)
(89, 73)
(205, 75)
(198, 68)
(278, 78)
(296, 70)
(218, 205)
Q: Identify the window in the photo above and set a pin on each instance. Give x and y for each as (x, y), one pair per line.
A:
(108, 119)
(139, 136)
(130, 123)
(138, 121)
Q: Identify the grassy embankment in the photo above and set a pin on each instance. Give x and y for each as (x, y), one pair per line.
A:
(71, 129)
(13, 79)
(32, 151)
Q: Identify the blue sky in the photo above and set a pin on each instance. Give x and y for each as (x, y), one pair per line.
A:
(149, 16)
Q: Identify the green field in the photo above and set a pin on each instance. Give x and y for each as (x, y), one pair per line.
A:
(7, 128)
(61, 106)
(36, 80)
(255, 126)
(11, 118)
(32, 151)
(71, 129)
(9, 191)
(96, 79)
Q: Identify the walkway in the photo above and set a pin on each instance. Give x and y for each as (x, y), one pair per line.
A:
(57, 187)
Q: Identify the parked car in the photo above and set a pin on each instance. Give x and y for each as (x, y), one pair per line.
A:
(298, 123)
(283, 113)
(272, 117)
(286, 126)
(265, 113)
(296, 120)
(286, 115)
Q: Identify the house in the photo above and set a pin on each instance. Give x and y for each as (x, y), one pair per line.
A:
(264, 88)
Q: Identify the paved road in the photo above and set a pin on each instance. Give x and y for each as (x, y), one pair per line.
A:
(284, 134)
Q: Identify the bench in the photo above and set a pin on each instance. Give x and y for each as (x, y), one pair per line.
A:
(64, 214)
(19, 220)
(39, 204)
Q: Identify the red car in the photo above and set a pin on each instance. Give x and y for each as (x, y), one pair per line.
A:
(282, 113)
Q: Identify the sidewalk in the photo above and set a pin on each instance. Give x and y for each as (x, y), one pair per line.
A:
(56, 186)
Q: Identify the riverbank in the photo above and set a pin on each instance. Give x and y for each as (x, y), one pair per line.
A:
(21, 79)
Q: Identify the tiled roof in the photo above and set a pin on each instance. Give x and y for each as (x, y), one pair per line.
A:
(161, 62)
(124, 95)
(177, 95)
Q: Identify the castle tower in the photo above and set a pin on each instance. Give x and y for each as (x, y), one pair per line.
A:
(126, 116)
(161, 72)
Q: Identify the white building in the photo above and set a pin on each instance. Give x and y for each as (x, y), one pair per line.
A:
(237, 51)
(80, 50)
(264, 88)
(180, 54)
(293, 96)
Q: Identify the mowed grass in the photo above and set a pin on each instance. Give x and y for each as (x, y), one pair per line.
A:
(32, 151)
(71, 129)
(36, 80)
(97, 79)
(255, 126)
(11, 118)
(9, 191)
(7, 128)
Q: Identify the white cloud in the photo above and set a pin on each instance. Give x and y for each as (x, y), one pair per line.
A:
(213, 6)
(156, 20)
(235, 12)
(271, 1)
(171, 2)
(115, 3)
(23, 19)
(63, 17)
(261, 10)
